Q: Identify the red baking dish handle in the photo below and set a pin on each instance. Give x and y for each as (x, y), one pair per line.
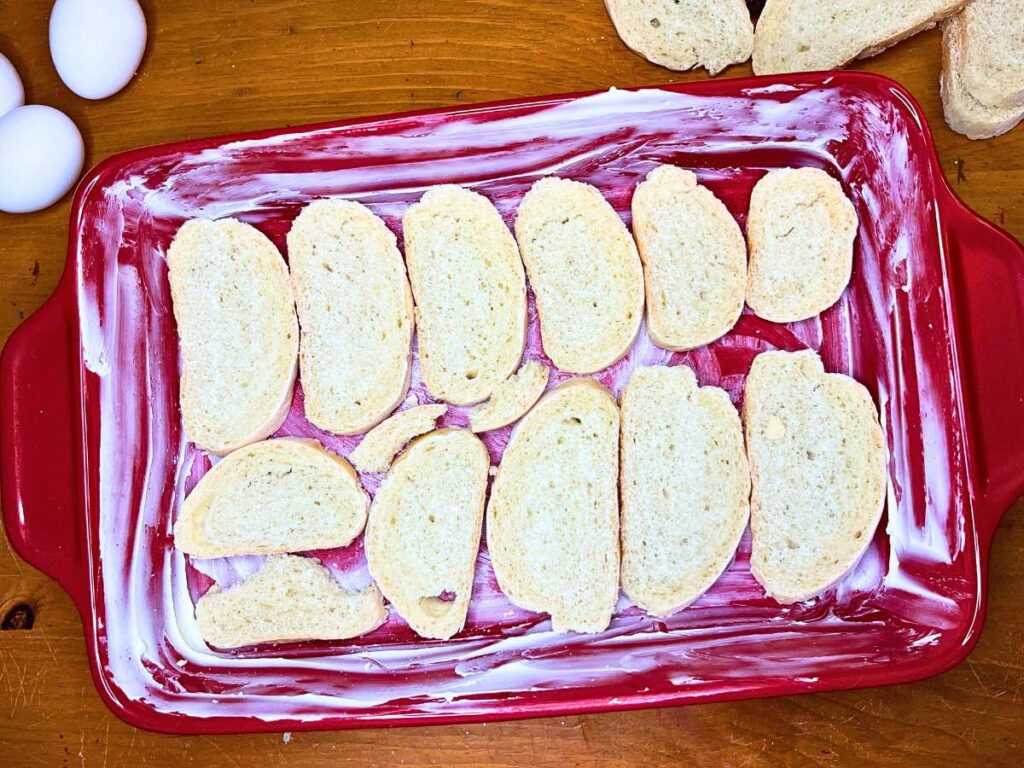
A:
(988, 294)
(39, 474)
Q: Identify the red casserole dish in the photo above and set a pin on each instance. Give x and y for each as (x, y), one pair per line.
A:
(94, 463)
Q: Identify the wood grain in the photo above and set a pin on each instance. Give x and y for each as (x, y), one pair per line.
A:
(214, 68)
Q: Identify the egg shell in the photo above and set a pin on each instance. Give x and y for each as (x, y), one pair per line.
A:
(97, 45)
(12, 94)
(41, 155)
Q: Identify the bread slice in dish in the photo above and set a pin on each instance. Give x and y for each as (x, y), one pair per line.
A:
(980, 47)
(283, 495)
(379, 446)
(800, 230)
(470, 292)
(356, 312)
(818, 470)
(585, 272)
(685, 487)
(694, 257)
(807, 35)
(424, 530)
(683, 34)
(288, 599)
(553, 514)
(512, 398)
(239, 336)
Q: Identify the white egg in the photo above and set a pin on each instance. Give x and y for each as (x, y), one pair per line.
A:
(97, 45)
(11, 93)
(41, 154)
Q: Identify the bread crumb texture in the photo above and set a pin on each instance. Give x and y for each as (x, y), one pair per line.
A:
(288, 599)
(818, 464)
(553, 514)
(470, 291)
(282, 495)
(585, 272)
(685, 487)
(238, 332)
(682, 34)
(424, 530)
(800, 229)
(356, 312)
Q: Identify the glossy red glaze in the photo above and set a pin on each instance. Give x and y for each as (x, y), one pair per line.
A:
(94, 464)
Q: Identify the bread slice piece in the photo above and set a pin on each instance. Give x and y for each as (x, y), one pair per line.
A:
(288, 599)
(424, 530)
(513, 397)
(470, 291)
(283, 495)
(238, 332)
(992, 43)
(685, 487)
(585, 272)
(805, 35)
(694, 257)
(356, 312)
(964, 112)
(378, 448)
(800, 230)
(682, 34)
(818, 464)
(553, 515)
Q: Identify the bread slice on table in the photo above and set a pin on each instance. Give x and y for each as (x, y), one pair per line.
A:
(470, 292)
(991, 38)
(694, 257)
(806, 35)
(553, 514)
(800, 230)
(238, 333)
(513, 397)
(818, 463)
(424, 530)
(585, 272)
(283, 495)
(682, 34)
(983, 48)
(288, 599)
(685, 487)
(356, 312)
(379, 446)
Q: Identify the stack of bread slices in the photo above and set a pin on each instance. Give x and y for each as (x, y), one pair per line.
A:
(982, 81)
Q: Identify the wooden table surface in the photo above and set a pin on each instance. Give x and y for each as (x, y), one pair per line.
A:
(220, 67)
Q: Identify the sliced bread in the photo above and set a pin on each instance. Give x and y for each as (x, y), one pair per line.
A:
(470, 292)
(379, 446)
(287, 600)
(585, 272)
(694, 257)
(424, 530)
(818, 470)
(685, 487)
(238, 332)
(513, 397)
(800, 230)
(964, 111)
(553, 514)
(805, 35)
(682, 34)
(356, 312)
(284, 495)
(992, 42)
